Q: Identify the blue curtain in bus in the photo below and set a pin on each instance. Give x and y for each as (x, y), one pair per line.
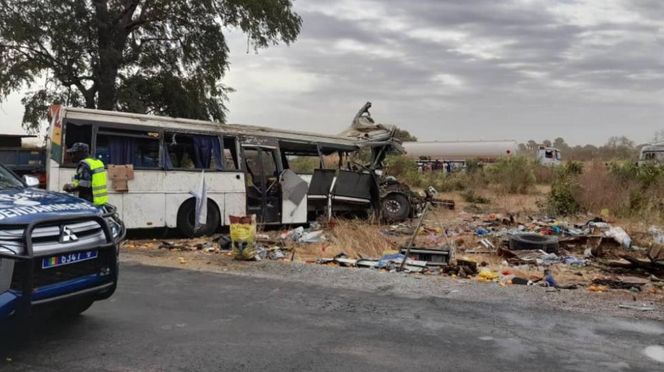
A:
(206, 147)
(121, 150)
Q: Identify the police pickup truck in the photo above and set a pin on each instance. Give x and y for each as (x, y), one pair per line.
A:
(57, 251)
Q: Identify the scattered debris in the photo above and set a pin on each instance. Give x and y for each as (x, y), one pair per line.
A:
(433, 257)
(638, 307)
(529, 241)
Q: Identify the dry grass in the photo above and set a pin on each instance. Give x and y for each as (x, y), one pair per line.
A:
(355, 238)
(599, 190)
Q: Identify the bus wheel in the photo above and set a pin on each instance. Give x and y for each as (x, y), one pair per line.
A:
(395, 208)
(187, 216)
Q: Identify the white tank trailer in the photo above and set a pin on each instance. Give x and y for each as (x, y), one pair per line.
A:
(460, 151)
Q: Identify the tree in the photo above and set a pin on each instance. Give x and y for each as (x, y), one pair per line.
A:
(532, 145)
(560, 144)
(147, 56)
(404, 135)
(547, 143)
(619, 148)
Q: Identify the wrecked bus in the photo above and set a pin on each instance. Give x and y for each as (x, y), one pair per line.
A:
(652, 154)
(56, 251)
(154, 164)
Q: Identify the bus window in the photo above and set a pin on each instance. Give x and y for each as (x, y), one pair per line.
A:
(301, 164)
(75, 133)
(230, 154)
(141, 149)
(192, 151)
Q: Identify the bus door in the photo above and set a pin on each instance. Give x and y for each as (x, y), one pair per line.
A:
(262, 181)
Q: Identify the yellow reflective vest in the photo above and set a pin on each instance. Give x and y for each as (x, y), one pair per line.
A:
(98, 182)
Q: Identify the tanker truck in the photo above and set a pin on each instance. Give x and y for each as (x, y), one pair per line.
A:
(452, 155)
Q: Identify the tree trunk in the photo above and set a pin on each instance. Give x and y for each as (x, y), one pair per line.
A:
(111, 40)
(106, 75)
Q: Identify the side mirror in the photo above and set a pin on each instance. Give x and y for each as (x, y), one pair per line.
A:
(31, 181)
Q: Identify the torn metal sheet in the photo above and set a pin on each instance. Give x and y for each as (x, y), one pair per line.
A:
(431, 257)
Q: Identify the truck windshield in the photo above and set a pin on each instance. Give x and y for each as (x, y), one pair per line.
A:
(8, 179)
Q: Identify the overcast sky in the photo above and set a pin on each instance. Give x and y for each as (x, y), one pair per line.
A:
(458, 70)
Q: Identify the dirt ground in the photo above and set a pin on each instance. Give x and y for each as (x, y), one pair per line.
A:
(358, 239)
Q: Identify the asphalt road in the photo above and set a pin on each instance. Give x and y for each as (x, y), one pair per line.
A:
(169, 319)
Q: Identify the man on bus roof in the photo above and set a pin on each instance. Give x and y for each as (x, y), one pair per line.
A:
(90, 178)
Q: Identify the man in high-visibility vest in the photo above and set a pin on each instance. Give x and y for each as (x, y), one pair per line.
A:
(90, 178)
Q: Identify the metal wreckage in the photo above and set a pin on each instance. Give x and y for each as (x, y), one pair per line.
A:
(363, 176)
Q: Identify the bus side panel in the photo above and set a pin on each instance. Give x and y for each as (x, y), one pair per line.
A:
(143, 206)
(52, 176)
(64, 176)
(216, 182)
(143, 210)
(236, 205)
(292, 213)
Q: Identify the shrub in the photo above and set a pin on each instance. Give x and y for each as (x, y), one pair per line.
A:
(625, 189)
(304, 164)
(562, 200)
(513, 175)
(471, 197)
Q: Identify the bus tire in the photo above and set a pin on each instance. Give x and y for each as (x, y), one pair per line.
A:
(395, 208)
(186, 218)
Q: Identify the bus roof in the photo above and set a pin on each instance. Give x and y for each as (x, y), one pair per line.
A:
(653, 147)
(83, 115)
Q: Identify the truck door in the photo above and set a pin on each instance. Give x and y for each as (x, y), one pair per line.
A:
(262, 182)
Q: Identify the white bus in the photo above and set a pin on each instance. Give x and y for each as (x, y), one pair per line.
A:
(652, 154)
(246, 169)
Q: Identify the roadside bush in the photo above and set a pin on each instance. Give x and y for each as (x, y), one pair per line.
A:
(625, 189)
(404, 169)
(471, 197)
(562, 198)
(513, 175)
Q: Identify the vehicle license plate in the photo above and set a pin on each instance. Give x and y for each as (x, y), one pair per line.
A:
(67, 259)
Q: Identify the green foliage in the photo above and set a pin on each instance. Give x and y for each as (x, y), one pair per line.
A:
(161, 56)
(565, 187)
(473, 166)
(471, 196)
(561, 200)
(573, 168)
(304, 164)
(616, 148)
(513, 174)
(404, 135)
(646, 175)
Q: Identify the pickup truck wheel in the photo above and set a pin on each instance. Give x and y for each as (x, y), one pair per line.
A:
(74, 308)
(395, 208)
(187, 216)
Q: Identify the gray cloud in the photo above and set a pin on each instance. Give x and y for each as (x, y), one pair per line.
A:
(584, 70)
(453, 69)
